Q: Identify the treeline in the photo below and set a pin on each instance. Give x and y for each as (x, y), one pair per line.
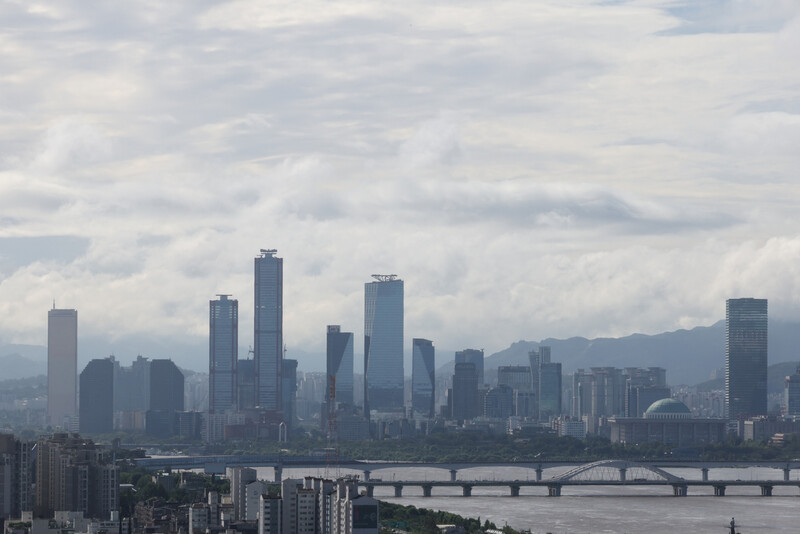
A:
(479, 447)
(423, 521)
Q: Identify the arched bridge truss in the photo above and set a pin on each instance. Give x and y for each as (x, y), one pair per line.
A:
(616, 470)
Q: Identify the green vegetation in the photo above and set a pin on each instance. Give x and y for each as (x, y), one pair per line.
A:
(478, 447)
(423, 521)
(188, 487)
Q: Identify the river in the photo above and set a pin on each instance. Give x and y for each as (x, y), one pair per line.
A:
(598, 509)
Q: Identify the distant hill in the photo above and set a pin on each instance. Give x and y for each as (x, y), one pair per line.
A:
(22, 361)
(776, 375)
(689, 356)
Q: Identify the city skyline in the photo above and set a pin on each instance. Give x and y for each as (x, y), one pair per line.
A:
(594, 170)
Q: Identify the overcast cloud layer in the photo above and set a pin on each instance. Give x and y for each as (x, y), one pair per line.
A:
(530, 169)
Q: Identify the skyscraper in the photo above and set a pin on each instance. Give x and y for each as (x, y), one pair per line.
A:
(340, 364)
(166, 398)
(745, 357)
(223, 354)
(268, 336)
(62, 365)
(473, 356)
(465, 400)
(423, 377)
(97, 397)
(383, 343)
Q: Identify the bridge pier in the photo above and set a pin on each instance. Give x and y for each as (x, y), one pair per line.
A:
(398, 490)
(538, 474)
(554, 490)
(426, 490)
(679, 490)
(719, 491)
(453, 473)
(367, 473)
(514, 491)
(466, 490)
(278, 473)
(370, 491)
(705, 474)
(766, 491)
(786, 472)
(622, 473)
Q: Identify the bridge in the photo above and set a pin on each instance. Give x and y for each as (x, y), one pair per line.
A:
(602, 473)
(218, 463)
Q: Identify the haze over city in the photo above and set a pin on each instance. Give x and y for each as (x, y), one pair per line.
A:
(535, 170)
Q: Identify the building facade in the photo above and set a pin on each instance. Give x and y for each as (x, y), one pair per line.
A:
(465, 400)
(383, 343)
(268, 334)
(423, 377)
(745, 357)
(339, 365)
(62, 366)
(223, 354)
(97, 397)
(475, 357)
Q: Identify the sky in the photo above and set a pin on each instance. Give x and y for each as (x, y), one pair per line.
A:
(546, 168)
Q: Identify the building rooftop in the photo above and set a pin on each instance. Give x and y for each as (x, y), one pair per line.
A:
(668, 408)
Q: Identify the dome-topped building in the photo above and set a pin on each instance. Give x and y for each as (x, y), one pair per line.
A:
(667, 421)
(668, 409)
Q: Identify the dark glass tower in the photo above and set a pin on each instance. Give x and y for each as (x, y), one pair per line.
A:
(423, 377)
(97, 397)
(475, 357)
(383, 343)
(745, 357)
(268, 319)
(223, 354)
(340, 364)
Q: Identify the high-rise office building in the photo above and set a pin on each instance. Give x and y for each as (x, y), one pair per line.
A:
(499, 402)
(475, 357)
(339, 365)
(289, 391)
(643, 387)
(223, 354)
(465, 399)
(423, 377)
(62, 365)
(745, 357)
(549, 390)
(268, 335)
(383, 343)
(97, 397)
(166, 398)
(132, 386)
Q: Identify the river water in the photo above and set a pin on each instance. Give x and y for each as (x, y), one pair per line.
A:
(597, 509)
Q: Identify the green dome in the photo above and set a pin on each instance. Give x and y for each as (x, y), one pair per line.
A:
(668, 407)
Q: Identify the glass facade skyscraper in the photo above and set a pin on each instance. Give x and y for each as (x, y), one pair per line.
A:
(96, 406)
(383, 343)
(223, 354)
(268, 324)
(339, 364)
(745, 357)
(423, 377)
(475, 357)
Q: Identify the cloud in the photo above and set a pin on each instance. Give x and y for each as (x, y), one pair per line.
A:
(529, 170)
